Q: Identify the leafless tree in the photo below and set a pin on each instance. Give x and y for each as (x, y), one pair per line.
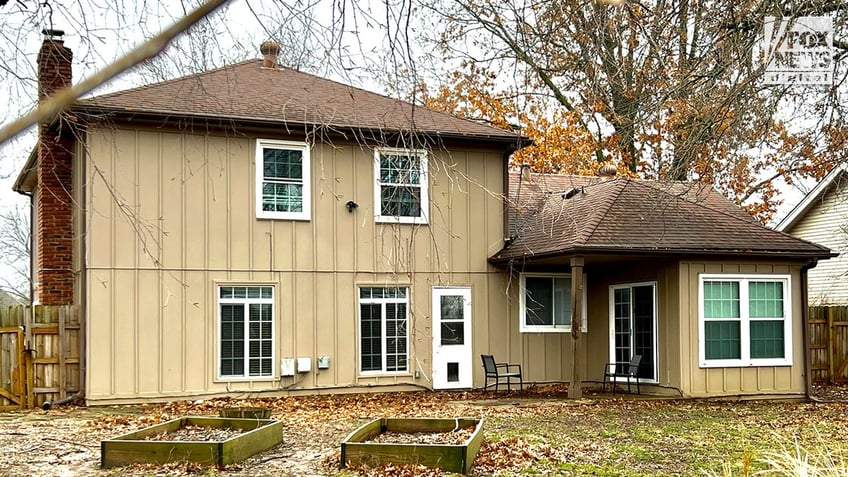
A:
(671, 89)
(15, 253)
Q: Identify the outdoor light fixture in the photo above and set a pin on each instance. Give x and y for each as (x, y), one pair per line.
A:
(351, 205)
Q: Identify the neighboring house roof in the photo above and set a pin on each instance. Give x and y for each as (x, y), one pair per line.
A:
(822, 217)
(557, 215)
(25, 182)
(249, 92)
(810, 199)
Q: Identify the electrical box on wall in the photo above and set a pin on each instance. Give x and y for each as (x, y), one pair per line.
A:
(304, 364)
(287, 367)
(323, 362)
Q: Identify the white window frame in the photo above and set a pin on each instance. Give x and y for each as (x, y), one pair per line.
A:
(522, 308)
(745, 359)
(218, 335)
(424, 185)
(381, 301)
(261, 145)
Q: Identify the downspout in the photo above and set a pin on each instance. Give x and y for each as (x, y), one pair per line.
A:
(805, 307)
(81, 157)
(505, 185)
(48, 404)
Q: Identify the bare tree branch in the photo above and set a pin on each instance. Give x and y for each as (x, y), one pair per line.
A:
(149, 49)
(15, 253)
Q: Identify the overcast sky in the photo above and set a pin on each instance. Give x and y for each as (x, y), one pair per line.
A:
(99, 35)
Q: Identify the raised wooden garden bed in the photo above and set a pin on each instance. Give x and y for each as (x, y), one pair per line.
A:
(246, 412)
(369, 445)
(232, 440)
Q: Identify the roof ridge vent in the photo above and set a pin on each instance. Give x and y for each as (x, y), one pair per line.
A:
(270, 50)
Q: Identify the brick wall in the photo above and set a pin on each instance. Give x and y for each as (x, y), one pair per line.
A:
(55, 274)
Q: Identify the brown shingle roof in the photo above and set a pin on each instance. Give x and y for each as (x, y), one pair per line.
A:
(247, 91)
(570, 214)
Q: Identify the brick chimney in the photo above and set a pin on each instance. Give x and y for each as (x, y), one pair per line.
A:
(53, 194)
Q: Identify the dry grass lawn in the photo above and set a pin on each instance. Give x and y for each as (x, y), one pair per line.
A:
(536, 432)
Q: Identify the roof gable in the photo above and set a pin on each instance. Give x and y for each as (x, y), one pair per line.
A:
(800, 210)
(247, 91)
(628, 215)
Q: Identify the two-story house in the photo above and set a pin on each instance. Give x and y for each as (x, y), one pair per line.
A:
(256, 229)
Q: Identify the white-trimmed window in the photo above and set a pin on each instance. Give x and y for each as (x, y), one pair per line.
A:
(401, 188)
(745, 320)
(245, 332)
(545, 303)
(383, 338)
(282, 180)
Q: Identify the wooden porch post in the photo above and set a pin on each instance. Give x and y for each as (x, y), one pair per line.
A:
(574, 389)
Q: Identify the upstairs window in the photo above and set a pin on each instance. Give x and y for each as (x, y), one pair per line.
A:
(400, 192)
(282, 180)
(745, 320)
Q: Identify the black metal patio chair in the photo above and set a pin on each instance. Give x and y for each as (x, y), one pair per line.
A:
(629, 371)
(498, 371)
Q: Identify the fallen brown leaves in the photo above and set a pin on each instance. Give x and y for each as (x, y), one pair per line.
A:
(514, 455)
(456, 437)
(197, 434)
(392, 470)
(537, 431)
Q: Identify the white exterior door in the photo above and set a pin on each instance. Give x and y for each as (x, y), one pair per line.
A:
(452, 361)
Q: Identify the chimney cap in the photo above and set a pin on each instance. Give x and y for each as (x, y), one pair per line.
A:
(269, 49)
(53, 34)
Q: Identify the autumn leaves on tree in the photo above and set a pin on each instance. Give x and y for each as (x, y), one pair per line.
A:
(668, 90)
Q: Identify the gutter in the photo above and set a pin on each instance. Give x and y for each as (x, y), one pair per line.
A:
(180, 120)
(805, 312)
(660, 252)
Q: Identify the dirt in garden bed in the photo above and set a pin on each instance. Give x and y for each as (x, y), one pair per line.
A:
(197, 433)
(452, 438)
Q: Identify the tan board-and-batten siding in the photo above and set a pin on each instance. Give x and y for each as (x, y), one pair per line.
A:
(172, 215)
(737, 381)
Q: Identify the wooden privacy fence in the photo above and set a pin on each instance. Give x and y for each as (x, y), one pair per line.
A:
(829, 343)
(40, 350)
